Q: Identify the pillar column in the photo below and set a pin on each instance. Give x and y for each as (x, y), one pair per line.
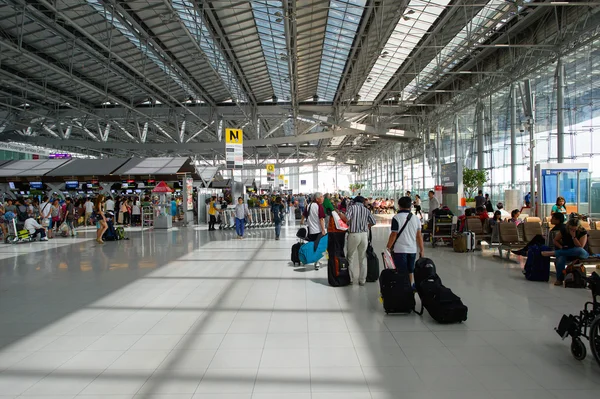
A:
(480, 133)
(513, 136)
(315, 179)
(560, 111)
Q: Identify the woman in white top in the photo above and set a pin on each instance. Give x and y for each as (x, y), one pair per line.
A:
(136, 213)
(417, 204)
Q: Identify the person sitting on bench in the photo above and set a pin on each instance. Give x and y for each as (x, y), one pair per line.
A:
(556, 220)
(570, 242)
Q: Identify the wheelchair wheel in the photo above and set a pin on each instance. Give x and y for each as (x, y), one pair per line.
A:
(595, 338)
(10, 239)
(578, 349)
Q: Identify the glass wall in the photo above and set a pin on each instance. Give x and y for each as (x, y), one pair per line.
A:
(13, 155)
(581, 120)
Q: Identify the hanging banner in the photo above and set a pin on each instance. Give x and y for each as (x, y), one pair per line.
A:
(270, 172)
(281, 179)
(234, 148)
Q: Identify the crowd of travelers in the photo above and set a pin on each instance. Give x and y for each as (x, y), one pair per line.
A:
(55, 216)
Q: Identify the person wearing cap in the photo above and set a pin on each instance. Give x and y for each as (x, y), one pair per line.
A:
(360, 221)
(503, 213)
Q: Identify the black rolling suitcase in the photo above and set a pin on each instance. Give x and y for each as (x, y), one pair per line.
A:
(297, 213)
(441, 303)
(372, 264)
(296, 253)
(396, 291)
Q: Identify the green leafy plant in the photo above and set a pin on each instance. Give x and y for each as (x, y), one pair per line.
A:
(473, 179)
(356, 186)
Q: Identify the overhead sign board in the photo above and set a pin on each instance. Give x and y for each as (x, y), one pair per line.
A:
(234, 148)
(270, 172)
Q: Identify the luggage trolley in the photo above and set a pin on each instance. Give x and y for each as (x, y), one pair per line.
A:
(227, 219)
(16, 233)
(442, 229)
(586, 324)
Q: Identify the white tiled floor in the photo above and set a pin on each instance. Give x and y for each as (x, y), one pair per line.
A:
(192, 314)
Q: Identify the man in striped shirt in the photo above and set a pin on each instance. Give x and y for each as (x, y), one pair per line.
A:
(360, 220)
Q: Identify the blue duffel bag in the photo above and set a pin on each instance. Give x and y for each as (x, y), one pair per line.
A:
(311, 252)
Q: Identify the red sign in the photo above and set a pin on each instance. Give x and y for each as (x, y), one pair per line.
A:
(35, 156)
(162, 187)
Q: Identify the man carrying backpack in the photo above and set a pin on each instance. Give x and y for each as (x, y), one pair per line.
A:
(405, 238)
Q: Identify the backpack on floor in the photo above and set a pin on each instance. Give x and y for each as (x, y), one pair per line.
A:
(120, 232)
(338, 272)
(372, 265)
(441, 303)
(537, 267)
(459, 243)
(575, 276)
(296, 253)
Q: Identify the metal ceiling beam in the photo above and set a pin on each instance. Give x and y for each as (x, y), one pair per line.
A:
(290, 26)
(49, 17)
(10, 43)
(439, 34)
(200, 146)
(125, 16)
(362, 128)
(358, 44)
(232, 59)
(200, 51)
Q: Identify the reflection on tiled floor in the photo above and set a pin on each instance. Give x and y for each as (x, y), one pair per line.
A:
(197, 314)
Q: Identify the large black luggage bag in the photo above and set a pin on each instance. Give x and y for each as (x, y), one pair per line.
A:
(441, 303)
(372, 265)
(396, 291)
(338, 272)
(297, 213)
(296, 253)
(537, 267)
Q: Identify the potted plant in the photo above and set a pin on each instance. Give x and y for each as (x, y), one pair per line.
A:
(355, 187)
(473, 179)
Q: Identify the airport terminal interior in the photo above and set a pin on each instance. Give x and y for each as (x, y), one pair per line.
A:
(192, 193)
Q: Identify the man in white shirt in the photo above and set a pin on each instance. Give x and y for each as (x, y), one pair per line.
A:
(89, 209)
(45, 208)
(405, 238)
(315, 217)
(434, 204)
(503, 213)
(110, 204)
(35, 228)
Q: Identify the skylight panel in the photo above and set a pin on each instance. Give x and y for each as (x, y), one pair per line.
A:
(343, 20)
(269, 18)
(196, 25)
(476, 31)
(406, 35)
(142, 47)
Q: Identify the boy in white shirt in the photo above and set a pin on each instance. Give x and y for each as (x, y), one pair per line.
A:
(35, 228)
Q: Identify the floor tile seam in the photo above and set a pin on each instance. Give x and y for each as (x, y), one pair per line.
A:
(266, 335)
(56, 369)
(219, 297)
(337, 296)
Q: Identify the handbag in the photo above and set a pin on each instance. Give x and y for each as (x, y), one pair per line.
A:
(339, 223)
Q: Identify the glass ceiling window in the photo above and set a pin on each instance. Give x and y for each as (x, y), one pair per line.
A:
(195, 24)
(488, 20)
(418, 18)
(268, 15)
(126, 31)
(343, 20)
